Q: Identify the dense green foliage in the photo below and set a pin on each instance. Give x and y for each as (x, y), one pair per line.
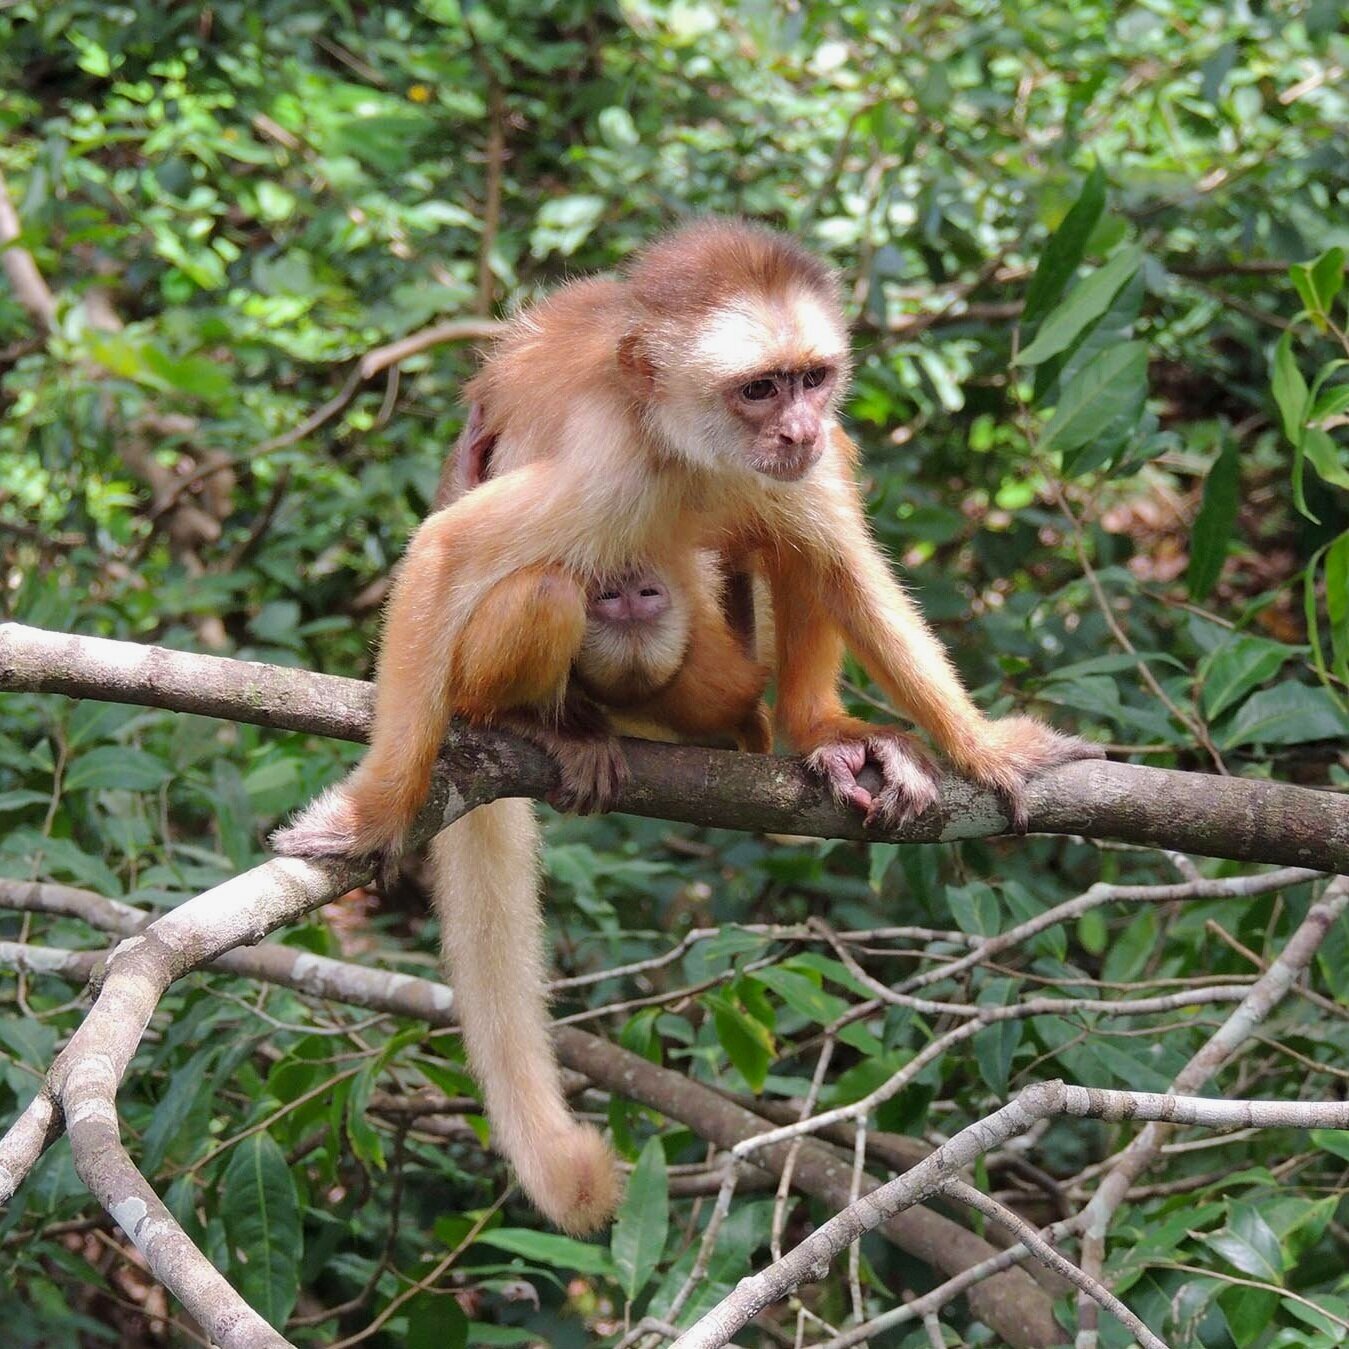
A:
(1103, 432)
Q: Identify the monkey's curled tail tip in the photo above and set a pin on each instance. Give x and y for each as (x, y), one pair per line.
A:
(573, 1180)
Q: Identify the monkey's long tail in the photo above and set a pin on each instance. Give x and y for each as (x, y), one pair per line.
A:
(486, 890)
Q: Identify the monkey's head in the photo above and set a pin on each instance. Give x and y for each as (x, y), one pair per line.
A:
(637, 630)
(736, 350)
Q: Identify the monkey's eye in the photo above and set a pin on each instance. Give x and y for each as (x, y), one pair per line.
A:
(816, 376)
(758, 389)
(608, 595)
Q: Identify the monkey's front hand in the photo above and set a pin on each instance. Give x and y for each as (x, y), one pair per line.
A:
(909, 777)
(1011, 752)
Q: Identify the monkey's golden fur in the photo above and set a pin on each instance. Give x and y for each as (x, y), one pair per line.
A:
(632, 426)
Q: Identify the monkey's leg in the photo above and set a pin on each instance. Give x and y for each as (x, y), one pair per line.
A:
(454, 559)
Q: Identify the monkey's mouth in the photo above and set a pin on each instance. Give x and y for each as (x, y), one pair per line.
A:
(788, 465)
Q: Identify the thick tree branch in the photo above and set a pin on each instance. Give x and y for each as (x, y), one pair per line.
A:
(1238, 818)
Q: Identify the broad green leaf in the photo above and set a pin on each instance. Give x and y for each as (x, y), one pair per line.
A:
(1318, 283)
(1288, 714)
(435, 1322)
(1327, 1317)
(1129, 952)
(1248, 1312)
(1248, 1243)
(747, 1041)
(552, 1249)
(117, 766)
(643, 1221)
(802, 994)
(261, 1213)
(975, 909)
(1110, 389)
(1065, 248)
(1332, 1140)
(618, 129)
(1234, 669)
(1085, 303)
(1323, 454)
(20, 797)
(1213, 524)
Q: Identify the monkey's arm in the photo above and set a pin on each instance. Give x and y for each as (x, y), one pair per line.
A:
(838, 567)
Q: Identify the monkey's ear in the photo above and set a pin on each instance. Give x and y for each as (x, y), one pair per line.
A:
(637, 367)
(473, 450)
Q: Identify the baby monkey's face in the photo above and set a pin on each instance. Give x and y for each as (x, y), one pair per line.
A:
(638, 597)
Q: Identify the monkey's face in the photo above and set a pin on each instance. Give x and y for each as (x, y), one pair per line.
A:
(784, 414)
(751, 385)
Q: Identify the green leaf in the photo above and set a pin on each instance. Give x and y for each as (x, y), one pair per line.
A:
(1290, 394)
(1332, 1140)
(1249, 1244)
(1323, 454)
(564, 223)
(435, 1322)
(1213, 524)
(551, 1249)
(747, 1041)
(802, 994)
(116, 766)
(366, 1144)
(1248, 1312)
(995, 1047)
(1337, 601)
(20, 797)
(1318, 284)
(261, 1213)
(1288, 714)
(1065, 248)
(975, 909)
(1238, 666)
(1086, 302)
(618, 129)
(643, 1221)
(1109, 393)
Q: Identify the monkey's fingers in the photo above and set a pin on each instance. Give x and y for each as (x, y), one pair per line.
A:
(839, 763)
(909, 779)
(593, 769)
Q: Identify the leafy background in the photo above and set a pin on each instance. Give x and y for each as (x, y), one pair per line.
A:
(1102, 424)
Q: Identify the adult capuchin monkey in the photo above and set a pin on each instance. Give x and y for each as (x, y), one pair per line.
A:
(691, 403)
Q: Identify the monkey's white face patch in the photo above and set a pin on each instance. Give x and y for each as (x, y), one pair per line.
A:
(756, 332)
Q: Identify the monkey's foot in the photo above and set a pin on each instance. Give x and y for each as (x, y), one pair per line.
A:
(330, 826)
(1015, 750)
(593, 769)
(909, 778)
